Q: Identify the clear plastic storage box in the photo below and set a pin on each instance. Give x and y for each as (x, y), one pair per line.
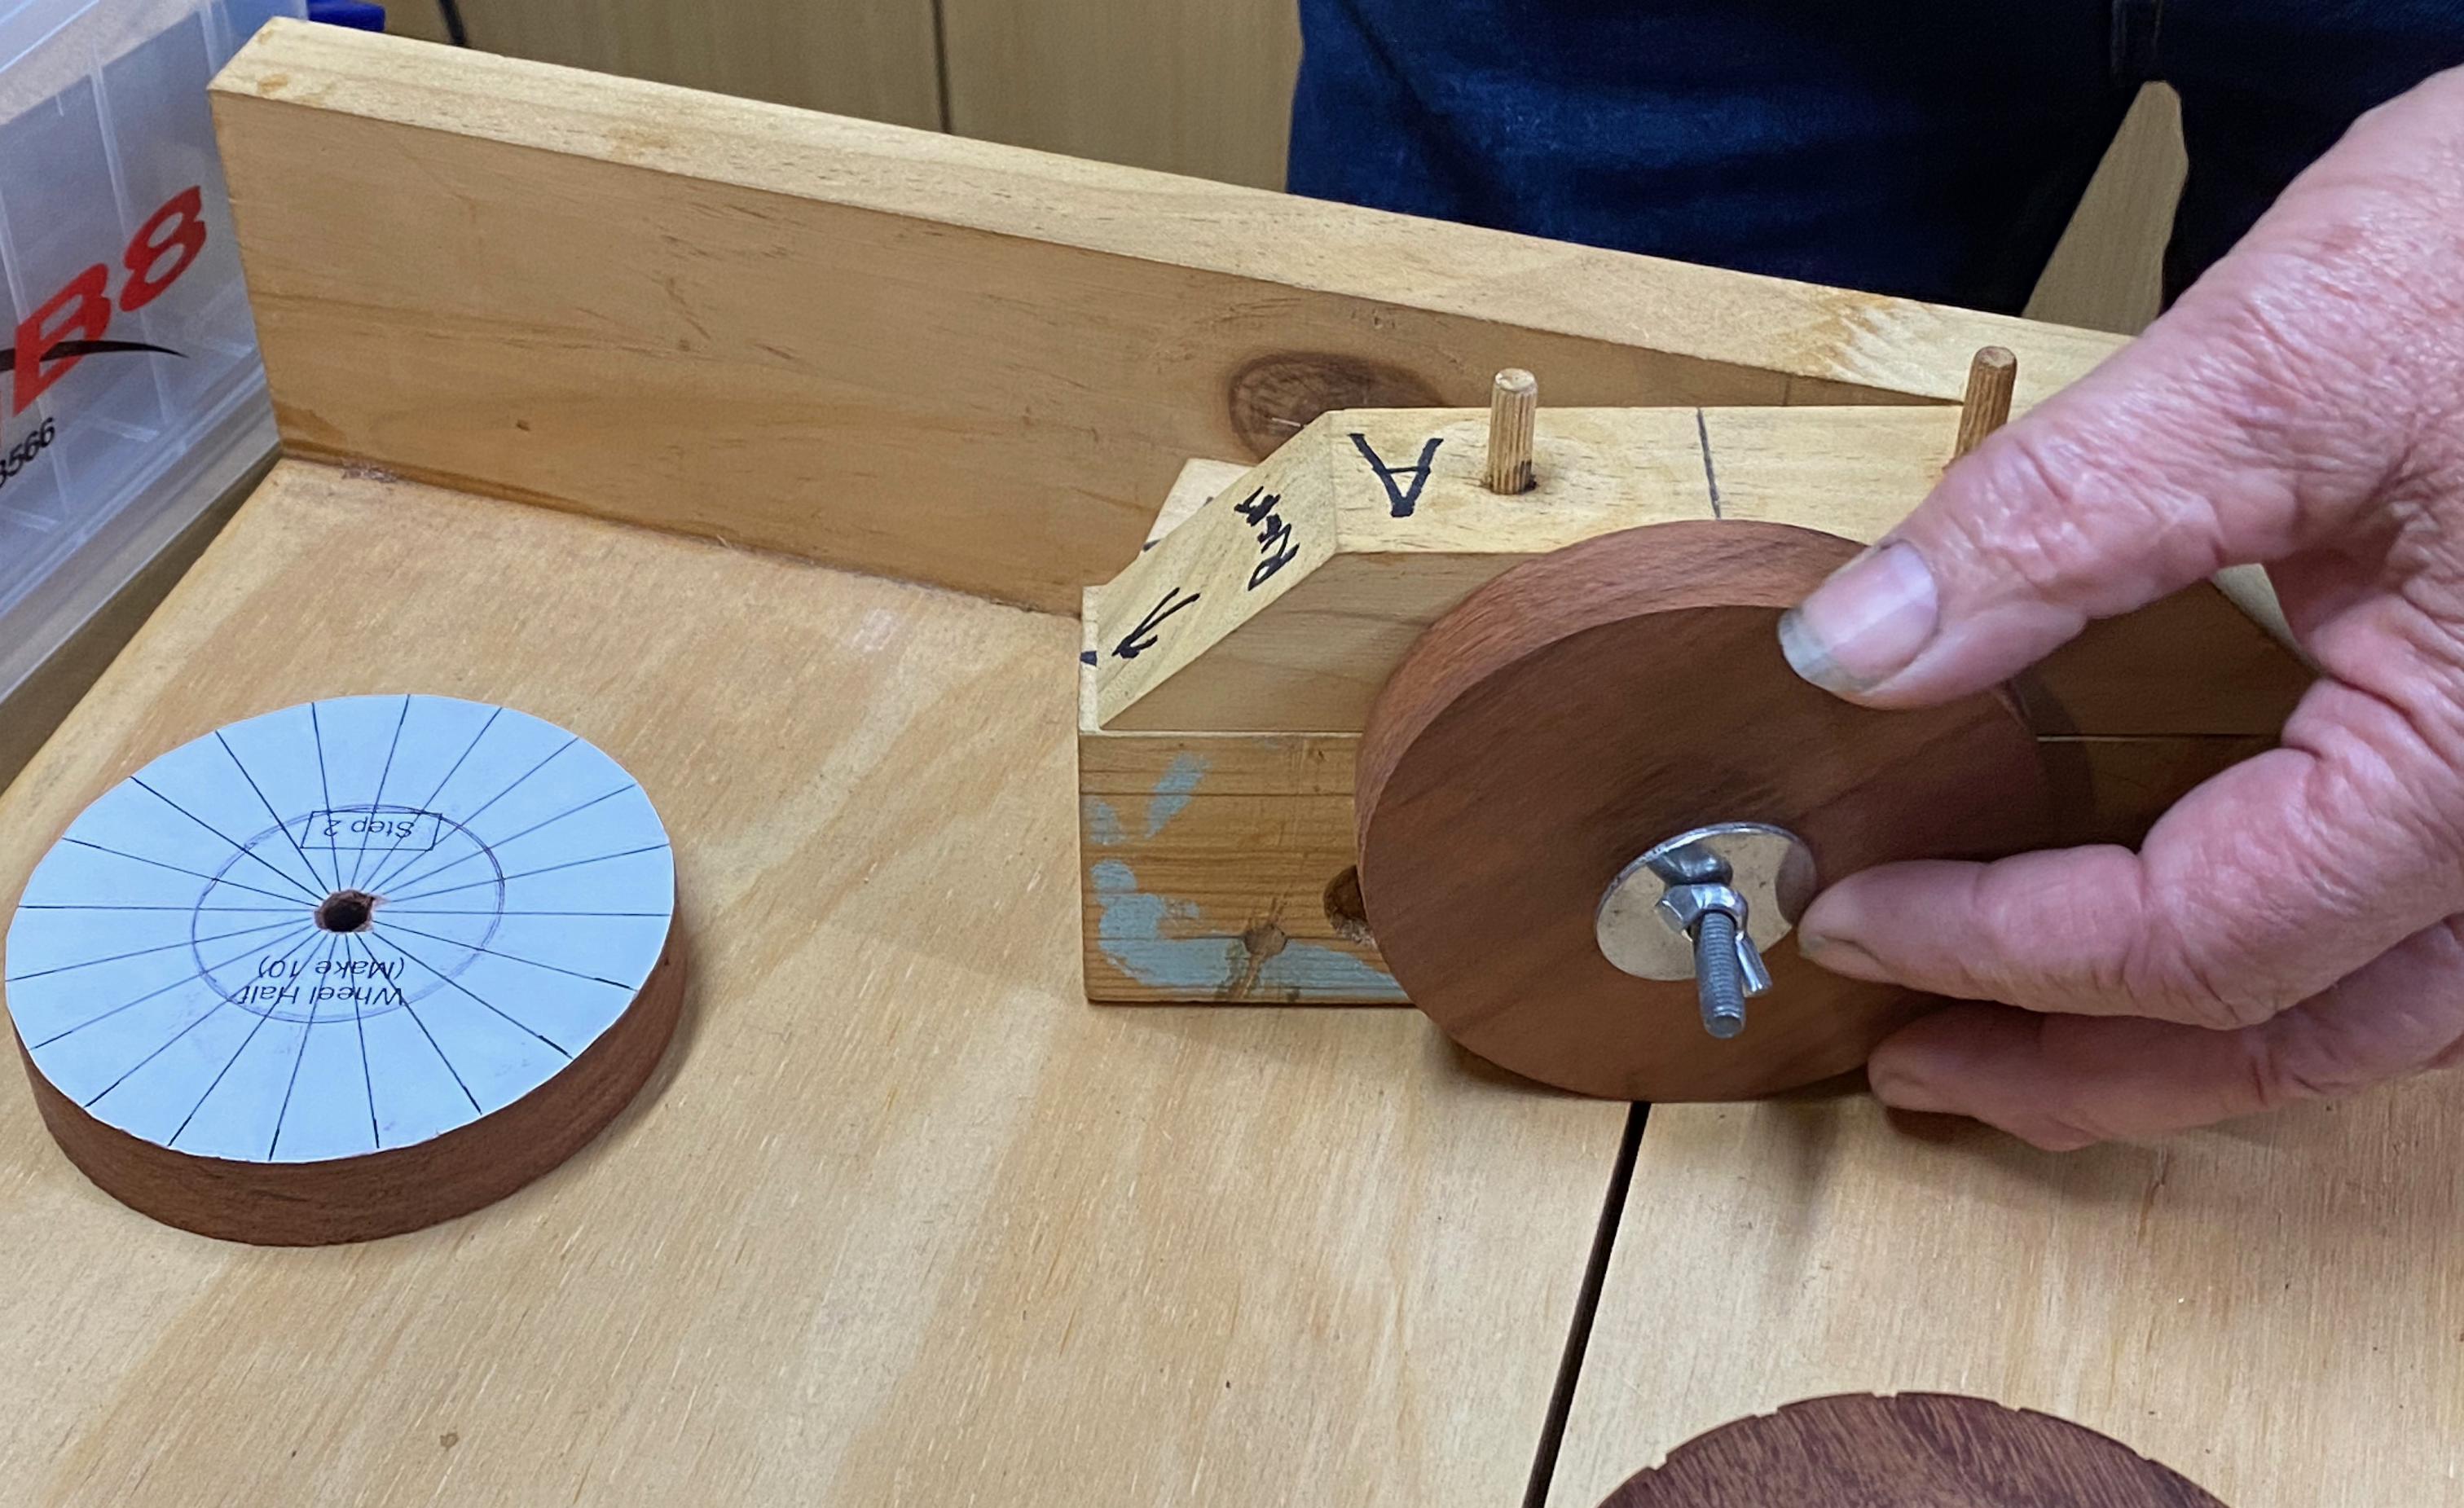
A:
(131, 396)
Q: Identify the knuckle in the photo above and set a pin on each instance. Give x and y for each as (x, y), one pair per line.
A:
(2289, 1067)
(2108, 937)
(2079, 516)
(2305, 350)
(2192, 983)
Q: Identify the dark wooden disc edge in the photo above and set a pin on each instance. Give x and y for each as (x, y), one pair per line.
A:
(2166, 1486)
(400, 1188)
(1661, 567)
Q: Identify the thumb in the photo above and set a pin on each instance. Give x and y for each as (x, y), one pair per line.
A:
(2255, 418)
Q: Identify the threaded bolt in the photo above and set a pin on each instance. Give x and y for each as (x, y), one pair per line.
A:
(1719, 980)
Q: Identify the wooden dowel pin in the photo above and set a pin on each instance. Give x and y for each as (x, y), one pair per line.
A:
(1991, 376)
(1514, 409)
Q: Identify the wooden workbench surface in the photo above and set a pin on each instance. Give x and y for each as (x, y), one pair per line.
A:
(901, 1218)
(2274, 1307)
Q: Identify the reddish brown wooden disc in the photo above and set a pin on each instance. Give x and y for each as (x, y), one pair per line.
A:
(1910, 1451)
(387, 1193)
(1593, 702)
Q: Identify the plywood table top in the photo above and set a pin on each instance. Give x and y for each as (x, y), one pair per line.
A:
(901, 1217)
(2274, 1307)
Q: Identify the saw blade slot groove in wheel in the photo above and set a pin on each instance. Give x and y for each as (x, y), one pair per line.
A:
(347, 968)
(1593, 702)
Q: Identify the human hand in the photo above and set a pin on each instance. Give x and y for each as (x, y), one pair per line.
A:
(2291, 928)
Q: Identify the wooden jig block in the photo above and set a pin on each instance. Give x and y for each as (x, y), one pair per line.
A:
(1227, 673)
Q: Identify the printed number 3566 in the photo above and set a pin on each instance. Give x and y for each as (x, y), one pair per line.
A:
(22, 454)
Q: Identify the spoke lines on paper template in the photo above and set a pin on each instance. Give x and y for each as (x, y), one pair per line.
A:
(139, 952)
(308, 933)
(308, 891)
(511, 839)
(159, 864)
(305, 941)
(377, 802)
(324, 789)
(626, 853)
(465, 989)
(493, 893)
(446, 779)
(483, 807)
(269, 805)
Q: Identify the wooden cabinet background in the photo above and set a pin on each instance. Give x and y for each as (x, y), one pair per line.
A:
(1189, 86)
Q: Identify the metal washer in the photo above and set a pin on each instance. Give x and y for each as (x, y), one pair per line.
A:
(1768, 865)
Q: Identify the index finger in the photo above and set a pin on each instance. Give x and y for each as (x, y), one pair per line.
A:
(2260, 888)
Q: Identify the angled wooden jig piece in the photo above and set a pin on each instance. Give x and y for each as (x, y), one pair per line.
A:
(1228, 671)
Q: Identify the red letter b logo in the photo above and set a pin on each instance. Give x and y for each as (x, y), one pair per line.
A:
(79, 312)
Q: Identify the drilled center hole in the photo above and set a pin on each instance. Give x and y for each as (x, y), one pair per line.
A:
(345, 912)
(1345, 910)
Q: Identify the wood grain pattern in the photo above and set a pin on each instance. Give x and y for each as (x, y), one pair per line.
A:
(1383, 548)
(2272, 1306)
(811, 333)
(1202, 87)
(384, 1193)
(1590, 703)
(1229, 645)
(1218, 866)
(1208, 859)
(1935, 1449)
(901, 1215)
(1199, 482)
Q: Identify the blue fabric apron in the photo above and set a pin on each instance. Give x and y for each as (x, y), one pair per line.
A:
(1933, 148)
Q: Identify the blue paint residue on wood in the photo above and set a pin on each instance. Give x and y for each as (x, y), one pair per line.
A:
(1130, 928)
(1133, 925)
(1173, 789)
(1313, 969)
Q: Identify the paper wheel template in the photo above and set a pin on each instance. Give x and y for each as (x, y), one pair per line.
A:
(346, 969)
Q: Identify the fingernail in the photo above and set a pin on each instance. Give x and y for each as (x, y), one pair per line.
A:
(1866, 623)
(1841, 957)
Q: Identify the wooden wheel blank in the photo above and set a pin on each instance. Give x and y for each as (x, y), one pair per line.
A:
(1590, 703)
(1909, 1451)
(346, 969)
(384, 1193)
